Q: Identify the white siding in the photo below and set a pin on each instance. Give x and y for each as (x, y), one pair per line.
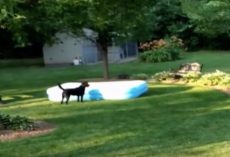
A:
(68, 47)
(62, 51)
(115, 54)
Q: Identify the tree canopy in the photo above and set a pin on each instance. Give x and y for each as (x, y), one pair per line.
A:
(115, 20)
(211, 16)
(30, 22)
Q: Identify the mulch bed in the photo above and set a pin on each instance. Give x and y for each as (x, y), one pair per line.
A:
(42, 128)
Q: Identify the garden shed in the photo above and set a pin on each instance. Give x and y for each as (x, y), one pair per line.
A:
(68, 47)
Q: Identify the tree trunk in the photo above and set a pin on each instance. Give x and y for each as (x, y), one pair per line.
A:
(104, 52)
(105, 65)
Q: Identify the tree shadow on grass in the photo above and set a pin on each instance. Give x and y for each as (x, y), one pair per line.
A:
(15, 97)
(170, 126)
(156, 89)
(165, 139)
(167, 120)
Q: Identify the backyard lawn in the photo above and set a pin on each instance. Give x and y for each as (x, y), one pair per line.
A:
(167, 121)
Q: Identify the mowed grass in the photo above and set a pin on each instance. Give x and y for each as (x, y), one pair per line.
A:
(167, 121)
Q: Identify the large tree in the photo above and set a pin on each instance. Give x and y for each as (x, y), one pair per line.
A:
(113, 20)
(211, 16)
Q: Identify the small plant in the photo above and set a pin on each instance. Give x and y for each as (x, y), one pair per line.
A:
(15, 123)
(140, 76)
(191, 77)
(162, 76)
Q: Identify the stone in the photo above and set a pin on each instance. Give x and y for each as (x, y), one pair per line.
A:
(190, 67)
(186, 68)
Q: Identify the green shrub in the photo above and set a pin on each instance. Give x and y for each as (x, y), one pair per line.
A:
(15, 123)
(159, 55)
(140, 76)
(217, 78)
(161, 50)
(191, 77)
(164, 75)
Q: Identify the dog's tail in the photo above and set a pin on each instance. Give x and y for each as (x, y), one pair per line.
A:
(59, 85)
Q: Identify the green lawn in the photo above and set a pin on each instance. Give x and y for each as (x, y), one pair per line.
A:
(168, 121)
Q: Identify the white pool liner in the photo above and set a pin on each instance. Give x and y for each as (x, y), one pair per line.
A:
(113, 90)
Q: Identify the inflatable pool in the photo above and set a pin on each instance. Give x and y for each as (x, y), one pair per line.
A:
(114, 90)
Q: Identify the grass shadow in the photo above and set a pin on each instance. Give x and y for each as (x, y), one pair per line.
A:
(18, 96)
(166, 121)
(145, 131)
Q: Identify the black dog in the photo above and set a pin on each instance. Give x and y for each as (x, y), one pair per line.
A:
(79, 92)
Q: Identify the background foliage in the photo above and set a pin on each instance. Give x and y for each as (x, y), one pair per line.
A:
(25, 25)
(162, 50)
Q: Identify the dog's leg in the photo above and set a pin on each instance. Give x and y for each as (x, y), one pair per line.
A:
(62, 98)
(81, 98)
(67, 99)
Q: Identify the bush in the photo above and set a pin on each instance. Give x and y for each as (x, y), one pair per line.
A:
(15, 123)
(140, 76)
(162, 76)
(161, 50)
(191, 77)
(217, 78)
(158, 55)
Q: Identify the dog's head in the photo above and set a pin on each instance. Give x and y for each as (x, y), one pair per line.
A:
(85, 84)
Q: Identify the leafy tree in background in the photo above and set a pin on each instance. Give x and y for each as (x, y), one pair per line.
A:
(39, 20)
(212, 17)
(6, 15)
(169, 20)
(24, 23)
(113, 20)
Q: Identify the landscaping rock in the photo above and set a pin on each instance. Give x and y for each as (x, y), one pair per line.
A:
(186, 68)
(190, 67)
